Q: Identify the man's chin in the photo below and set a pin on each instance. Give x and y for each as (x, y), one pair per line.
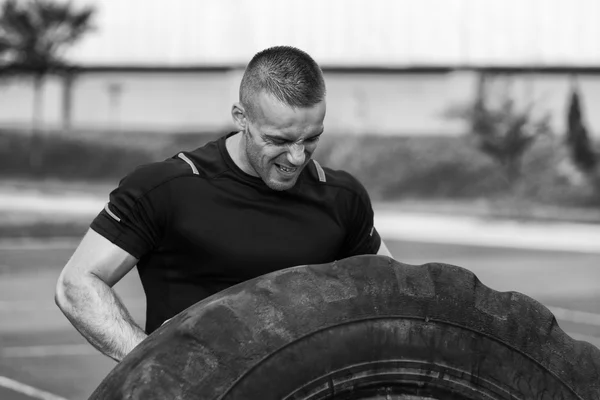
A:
(281, 183)
(280, 186)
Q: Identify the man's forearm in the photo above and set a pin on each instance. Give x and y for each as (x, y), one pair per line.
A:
(98, 314)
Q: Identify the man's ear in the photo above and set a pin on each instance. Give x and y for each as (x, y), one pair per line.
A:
(238, 113)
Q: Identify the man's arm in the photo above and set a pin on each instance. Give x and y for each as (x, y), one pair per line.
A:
(84, 294)
(384, 251)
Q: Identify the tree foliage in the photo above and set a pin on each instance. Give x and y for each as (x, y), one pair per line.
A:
(503, 131)
(577, 136)
(35, 33)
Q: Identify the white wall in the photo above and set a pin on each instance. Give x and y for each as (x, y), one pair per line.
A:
(357, 103)
(16, 101)
(154, 101)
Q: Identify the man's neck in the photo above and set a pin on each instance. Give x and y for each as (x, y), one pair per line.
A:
(236, 146)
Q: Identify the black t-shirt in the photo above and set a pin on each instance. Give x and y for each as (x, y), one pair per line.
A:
(199, 224)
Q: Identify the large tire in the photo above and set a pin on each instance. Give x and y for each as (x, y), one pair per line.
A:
(359, 328)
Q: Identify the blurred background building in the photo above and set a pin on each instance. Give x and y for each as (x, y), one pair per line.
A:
(392, 67)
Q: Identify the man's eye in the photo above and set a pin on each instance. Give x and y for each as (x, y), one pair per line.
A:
(278, 142)
(313, 139)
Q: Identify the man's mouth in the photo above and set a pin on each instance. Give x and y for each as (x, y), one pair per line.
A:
(287, 170)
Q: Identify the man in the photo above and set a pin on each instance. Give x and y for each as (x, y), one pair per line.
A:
(242, 206)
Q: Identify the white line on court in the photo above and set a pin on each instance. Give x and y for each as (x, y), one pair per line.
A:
(586, 338)
(19, 387)
(564, 314)
(38, 306)
(579, 317)
(65, 350)
(427, 228)
(561, 314)
(55, 204)
(49, 351)
(54, 243)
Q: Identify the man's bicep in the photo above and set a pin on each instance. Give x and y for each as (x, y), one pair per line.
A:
(98, 256)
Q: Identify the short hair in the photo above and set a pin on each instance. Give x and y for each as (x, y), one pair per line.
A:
(287, 73)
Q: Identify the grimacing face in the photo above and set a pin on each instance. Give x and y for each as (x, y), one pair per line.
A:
(280, 140)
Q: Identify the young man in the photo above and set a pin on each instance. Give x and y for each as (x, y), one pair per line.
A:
(247, 204)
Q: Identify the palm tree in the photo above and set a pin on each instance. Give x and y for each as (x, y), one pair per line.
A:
(33, 37)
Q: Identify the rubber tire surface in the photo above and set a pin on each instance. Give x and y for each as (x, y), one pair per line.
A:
(330, 330)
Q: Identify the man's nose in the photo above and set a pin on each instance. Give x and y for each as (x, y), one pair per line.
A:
(296, 154)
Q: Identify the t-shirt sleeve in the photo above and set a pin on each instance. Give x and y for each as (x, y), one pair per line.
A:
(134, 217)
(361, 236)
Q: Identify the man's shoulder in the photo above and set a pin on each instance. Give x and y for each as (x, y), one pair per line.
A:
(207, 161)
(200, 162)
(338, 178)
(152, 175)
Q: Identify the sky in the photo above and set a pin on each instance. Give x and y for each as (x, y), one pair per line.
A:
(344, 32)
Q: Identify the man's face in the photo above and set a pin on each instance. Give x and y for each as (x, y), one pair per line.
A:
(280, 140)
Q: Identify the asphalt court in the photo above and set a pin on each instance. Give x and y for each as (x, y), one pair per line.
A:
(43, 357)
